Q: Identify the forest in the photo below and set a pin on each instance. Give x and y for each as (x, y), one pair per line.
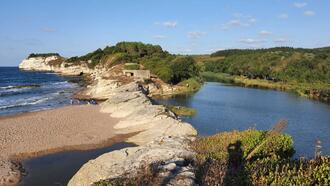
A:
(276, 64)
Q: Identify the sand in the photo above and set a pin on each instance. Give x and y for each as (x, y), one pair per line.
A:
(68, 128)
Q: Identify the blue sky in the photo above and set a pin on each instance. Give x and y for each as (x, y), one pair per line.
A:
(75, 27)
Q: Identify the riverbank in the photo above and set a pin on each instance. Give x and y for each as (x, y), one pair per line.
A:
(34, 134)
(316, 91)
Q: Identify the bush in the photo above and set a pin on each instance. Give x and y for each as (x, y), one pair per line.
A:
(132, 66)
(42, 55)
(221, 161)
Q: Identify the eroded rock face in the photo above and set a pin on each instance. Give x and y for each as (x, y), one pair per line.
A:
(54, 64)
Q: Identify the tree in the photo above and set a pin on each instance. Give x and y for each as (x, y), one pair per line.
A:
(184, 68)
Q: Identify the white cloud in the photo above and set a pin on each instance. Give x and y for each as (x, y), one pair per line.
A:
(159, 37)
(265, 33)
(195, 35)
(283, 16)
(252, 20)
(299, 4)
(239, 22)
(309, 13)
(280, 40)
(168, 24)
(252, 41)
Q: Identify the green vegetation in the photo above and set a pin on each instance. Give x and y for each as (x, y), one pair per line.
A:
(222, 160)
(305, 71)
(182, 111)
(132, 66)
(277, 64)
(42, 55)
(170, 68)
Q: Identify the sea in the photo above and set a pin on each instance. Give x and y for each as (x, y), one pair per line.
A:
(26, 91)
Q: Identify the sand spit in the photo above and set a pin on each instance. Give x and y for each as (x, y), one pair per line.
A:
(69, 128)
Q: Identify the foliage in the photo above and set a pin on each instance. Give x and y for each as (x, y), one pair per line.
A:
(42, 55)
(222, 161)
(132, 66)
(170, 68)
(191, 84)
(217, 77)
(276, 64)
(184, 68)
(216, 146)
(182, 111)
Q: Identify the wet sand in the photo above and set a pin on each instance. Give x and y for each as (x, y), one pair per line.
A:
(69, 128)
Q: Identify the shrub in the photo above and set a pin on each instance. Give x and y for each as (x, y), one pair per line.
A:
(132, 66)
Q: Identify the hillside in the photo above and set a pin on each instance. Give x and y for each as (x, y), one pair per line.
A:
(306, 71)
(169, 68)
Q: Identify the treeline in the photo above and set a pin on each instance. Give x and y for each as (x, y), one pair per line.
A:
(277, 64)
(170, 68)
(43, 55)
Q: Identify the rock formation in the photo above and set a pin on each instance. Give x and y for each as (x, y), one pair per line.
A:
(56, 64)
(160, 135)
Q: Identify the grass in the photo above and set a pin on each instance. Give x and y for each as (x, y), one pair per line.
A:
(189, 85)
(132, 66)
(222, 160)
(182, 111)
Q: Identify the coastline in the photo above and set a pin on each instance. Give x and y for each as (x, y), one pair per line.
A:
(134, 119)
(35, 134)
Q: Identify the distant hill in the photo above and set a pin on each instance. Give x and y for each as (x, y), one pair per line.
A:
(278, 64)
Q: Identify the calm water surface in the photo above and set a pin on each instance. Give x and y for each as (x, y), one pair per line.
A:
(225, 108)
(57, 169)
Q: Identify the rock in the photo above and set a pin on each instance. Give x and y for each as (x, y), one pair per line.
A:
(55, 64)
(127, 161)
(169, 167)
(10, 173)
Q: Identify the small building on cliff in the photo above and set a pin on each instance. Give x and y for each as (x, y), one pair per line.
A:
(139, 74)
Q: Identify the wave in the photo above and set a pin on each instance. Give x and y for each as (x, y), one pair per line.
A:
(19, 87)
(34, 102)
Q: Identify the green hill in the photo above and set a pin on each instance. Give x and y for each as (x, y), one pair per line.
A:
(307, 71)
(168, 67)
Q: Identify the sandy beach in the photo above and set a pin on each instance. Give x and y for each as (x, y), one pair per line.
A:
(68, 128)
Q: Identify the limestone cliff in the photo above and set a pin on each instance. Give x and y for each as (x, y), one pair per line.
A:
(55, 64)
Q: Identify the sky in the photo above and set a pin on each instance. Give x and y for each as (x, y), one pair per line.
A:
(75, 27)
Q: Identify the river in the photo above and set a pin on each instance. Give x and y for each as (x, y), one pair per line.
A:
(222, 107)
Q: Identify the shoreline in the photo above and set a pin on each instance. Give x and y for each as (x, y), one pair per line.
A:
(299, 89)
(29, 135)
(153, 127)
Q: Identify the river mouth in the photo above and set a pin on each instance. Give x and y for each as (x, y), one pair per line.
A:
(225, 108)
(57, 169)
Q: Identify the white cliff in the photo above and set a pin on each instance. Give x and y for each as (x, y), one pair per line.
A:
(55, 64)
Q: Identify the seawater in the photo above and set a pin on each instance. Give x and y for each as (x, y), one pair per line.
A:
(25, 91)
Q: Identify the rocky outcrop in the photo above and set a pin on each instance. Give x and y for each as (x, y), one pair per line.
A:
(10, 172)
(172, 152)
(161, 136)
(55, 64)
